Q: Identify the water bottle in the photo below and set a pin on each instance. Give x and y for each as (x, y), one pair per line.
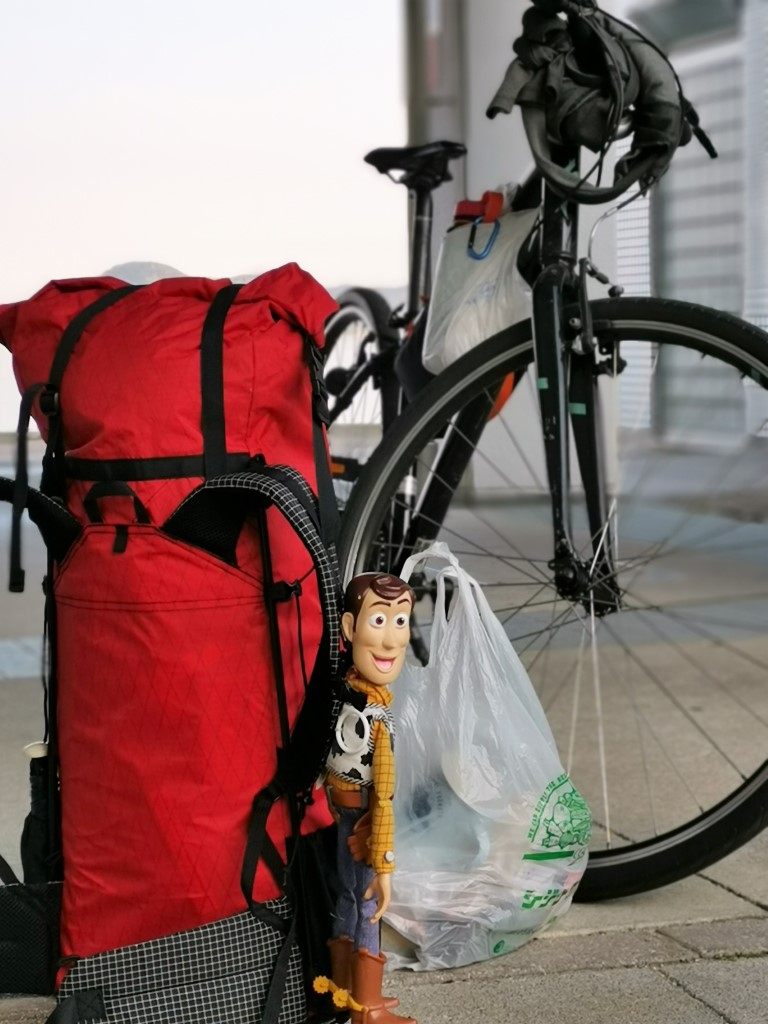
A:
(35, 844)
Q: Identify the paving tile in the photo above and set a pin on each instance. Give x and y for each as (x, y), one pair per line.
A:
(32, 1010)
(21, 658)
(692, 899)
(597, 951)
(743, 872)
(742, 937)
(629, 996)
(566, 953)
(736, 989)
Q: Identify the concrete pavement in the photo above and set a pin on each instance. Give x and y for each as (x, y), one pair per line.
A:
(693, 953)
(696, 951)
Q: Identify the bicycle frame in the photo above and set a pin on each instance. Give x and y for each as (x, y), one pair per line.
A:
(379, 367)
(566, 370)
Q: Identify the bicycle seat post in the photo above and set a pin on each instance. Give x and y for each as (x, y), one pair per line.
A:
(419, 271)
(422, 169)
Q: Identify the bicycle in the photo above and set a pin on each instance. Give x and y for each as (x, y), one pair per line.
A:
(606, 547)
(366, 340)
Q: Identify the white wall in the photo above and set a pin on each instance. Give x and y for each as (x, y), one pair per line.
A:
(498, 149)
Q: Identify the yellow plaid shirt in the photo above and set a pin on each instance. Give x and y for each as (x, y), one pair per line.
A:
(383, 768)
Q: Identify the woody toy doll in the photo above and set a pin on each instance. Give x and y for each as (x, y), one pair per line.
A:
(359, 783)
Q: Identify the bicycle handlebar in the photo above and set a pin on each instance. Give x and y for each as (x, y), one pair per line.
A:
(554, 7)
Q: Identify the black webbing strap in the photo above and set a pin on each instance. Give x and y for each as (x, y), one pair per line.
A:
(58, 527)
(21, 487)
(260, 847)
(326, 496)
(274, 628)
(212, 382)
(273, 1006)
(265, 848)
(74, 331)
(51, 687)
(50, 403)
(164, 467)
(113, 489)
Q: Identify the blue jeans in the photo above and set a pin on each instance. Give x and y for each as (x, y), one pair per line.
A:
(354, 912)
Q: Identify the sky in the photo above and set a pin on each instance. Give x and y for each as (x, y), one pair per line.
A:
(221, 138)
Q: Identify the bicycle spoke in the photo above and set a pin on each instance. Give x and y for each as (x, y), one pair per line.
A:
(575, 705)
(480, 454)
(640, 716)
(680, 617)
(703, 669)
(557, 625)
(474, 545)
(654, 677)
(603, 534)
(596, 682)
(540, 484)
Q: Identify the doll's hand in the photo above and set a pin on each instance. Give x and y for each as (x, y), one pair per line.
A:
(381, 888)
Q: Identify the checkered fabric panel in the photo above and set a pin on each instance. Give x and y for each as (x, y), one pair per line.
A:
(217, 973)
(235, 1000)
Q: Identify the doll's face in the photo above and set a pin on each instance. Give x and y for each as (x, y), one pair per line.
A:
(380, 636)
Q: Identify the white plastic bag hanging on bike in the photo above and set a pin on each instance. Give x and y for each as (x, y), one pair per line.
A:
(491, 835)
(478, 289)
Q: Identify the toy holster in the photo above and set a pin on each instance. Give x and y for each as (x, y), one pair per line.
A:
(359, 841)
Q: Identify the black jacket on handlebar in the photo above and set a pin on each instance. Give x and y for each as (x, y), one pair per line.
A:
(575, 80)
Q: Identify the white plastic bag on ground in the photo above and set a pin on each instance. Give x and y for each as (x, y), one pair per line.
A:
(491, 836)
(473, 299)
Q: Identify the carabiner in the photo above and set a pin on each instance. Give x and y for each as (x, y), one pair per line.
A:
(489, 244)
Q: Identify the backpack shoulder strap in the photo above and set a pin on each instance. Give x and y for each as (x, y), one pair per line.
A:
(304, 750)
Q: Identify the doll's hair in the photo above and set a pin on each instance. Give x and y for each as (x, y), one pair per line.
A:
(381, 583)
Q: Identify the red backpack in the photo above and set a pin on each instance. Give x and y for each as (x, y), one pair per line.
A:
(191, 586)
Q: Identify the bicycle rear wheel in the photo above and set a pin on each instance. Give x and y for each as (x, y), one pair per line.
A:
(660, 709)
(353, 337)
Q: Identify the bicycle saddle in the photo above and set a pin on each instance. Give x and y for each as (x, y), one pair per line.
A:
(423, 166)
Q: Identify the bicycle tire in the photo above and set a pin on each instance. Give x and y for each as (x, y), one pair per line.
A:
(353, 334)
(729, 346)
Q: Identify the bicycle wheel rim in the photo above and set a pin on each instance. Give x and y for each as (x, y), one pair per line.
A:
(353, 335)
(737, 811)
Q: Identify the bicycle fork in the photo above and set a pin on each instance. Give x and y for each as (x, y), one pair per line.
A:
(566, 382)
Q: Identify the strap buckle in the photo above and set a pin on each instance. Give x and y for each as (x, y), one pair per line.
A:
(49, 401)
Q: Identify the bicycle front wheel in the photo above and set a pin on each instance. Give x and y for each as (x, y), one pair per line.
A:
(661, 707)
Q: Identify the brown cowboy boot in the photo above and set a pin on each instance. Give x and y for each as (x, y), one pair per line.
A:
(367, 976)
(341, 961)
(341, 967)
